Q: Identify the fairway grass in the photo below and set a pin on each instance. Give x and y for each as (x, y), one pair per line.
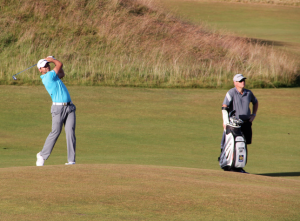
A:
(147, 154)
(133, 192)
(165, 127)
(276, 24)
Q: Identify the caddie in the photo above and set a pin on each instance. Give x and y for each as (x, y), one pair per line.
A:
(62, 110)
(238, 99)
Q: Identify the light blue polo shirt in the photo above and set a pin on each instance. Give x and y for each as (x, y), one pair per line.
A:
(55, 87)
(240, 102)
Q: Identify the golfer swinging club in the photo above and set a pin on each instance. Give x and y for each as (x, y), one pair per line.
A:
(238, 99)
(62, 110)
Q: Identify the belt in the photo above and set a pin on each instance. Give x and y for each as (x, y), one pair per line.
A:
(63, 104)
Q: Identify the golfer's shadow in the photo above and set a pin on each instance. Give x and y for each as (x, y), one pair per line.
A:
(281, 174)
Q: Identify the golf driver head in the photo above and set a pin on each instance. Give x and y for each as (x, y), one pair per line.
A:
(14, 77)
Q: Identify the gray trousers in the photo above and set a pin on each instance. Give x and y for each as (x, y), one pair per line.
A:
(62, 115)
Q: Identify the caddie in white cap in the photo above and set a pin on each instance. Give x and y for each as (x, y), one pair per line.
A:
(62, 110)
(238, 99)
(238, 77)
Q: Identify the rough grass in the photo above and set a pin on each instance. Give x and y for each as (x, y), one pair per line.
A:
(131, 43)
(273, 2)
(132, 192)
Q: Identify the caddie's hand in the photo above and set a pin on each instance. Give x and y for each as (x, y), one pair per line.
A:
(224, 126)
(252, 117)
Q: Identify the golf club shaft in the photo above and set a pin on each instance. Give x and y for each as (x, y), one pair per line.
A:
(23, 70)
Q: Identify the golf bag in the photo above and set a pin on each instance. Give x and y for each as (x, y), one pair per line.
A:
(234, 151)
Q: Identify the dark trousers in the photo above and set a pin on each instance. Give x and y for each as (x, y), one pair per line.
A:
(247, 131)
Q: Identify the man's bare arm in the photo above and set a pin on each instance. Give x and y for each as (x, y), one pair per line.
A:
(61, 74)
(254, 111)
(58, 66)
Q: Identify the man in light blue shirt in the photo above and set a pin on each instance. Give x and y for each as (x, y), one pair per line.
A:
(62, 110)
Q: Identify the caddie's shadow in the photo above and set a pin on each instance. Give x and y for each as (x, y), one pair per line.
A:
(281, 174)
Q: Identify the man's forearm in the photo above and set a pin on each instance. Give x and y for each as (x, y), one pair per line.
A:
(255, 108)
(58, 69)
(58, 64)
(61, 74)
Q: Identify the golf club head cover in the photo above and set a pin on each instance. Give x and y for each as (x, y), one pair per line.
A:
(225, 115)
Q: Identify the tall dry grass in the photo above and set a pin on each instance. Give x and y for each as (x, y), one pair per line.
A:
(131, 43)
(273, 2)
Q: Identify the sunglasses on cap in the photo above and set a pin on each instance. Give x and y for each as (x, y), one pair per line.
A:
(242, 80)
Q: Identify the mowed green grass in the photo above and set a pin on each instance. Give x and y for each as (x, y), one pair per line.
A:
(261, 21)
(147, 154)
(167, 127)
(135, 192)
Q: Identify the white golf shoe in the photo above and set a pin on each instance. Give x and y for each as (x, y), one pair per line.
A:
(40, 160)
(70, 163)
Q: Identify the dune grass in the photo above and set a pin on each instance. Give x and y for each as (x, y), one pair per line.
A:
(131, 192)
(270, 2)
(131, 43)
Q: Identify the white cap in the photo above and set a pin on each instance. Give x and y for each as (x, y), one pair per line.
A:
(41, 63)
(238, 77)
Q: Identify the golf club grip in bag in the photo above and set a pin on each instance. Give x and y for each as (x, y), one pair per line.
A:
(234, 152)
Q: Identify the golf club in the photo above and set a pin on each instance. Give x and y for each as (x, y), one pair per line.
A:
(14, 76)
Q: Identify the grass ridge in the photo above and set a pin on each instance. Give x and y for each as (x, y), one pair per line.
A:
(131, 43)
(273, 2)
(127, 192)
